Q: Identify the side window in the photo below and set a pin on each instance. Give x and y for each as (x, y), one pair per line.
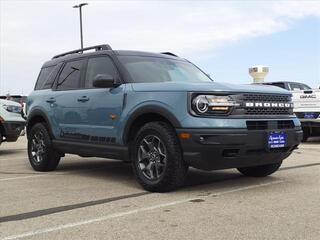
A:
(70, 76)
(43, 77)
(99, 65)
(49, 82)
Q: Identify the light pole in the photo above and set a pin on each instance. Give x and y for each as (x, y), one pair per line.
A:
(80, 12)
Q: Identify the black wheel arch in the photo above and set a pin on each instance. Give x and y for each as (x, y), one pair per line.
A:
(38, 116)
(146, 114)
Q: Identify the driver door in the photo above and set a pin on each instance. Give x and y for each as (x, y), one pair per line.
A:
(102, 107)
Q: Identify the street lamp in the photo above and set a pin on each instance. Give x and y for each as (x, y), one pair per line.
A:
(80, 12)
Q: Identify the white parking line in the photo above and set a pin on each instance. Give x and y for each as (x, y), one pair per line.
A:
(135, 211)
(23, 177)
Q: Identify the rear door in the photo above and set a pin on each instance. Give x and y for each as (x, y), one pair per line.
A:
(66, 108)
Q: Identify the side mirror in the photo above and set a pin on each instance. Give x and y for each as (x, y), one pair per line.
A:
(104, 81)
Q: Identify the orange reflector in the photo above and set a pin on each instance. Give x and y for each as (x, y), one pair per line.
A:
(184, 135)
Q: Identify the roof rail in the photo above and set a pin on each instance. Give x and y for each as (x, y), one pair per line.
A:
(169, 53)
(81, 50)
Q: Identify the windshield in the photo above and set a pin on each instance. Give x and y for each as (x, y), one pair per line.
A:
(155, 69)
(299, 86)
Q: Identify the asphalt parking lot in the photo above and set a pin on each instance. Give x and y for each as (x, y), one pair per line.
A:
(91, 198)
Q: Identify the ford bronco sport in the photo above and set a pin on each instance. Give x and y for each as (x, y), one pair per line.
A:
(158, 111)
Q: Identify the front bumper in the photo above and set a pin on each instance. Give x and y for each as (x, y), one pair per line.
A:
(211, 149)
(12, 130)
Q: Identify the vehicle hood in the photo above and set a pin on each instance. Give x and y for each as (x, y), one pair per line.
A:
(206, 87)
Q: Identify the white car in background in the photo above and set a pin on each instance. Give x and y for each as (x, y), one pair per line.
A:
(306, 106)
(11, 120)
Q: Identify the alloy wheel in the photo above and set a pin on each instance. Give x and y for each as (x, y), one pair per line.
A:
(37, 147)
(152, 157)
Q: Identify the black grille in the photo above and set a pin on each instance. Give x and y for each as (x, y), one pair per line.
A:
(285, 124)
(267, 98)
(268, 111)
(257, 125)
(264, 125)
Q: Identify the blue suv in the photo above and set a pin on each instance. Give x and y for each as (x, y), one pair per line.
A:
(158, 111)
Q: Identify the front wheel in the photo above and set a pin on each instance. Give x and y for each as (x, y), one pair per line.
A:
(260, 171)
(157, 158)
(42, 157)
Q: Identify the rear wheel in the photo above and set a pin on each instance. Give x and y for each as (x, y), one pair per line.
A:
(42, 156)
(260, 171)
(157, 158)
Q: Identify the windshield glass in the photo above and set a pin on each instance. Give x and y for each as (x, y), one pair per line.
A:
(299, 86)
(156, 69)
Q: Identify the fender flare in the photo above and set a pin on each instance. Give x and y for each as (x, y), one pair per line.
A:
(155, 109)
(39, 113)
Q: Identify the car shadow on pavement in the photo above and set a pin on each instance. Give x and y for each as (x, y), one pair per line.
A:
(118, 171)
(8, 152)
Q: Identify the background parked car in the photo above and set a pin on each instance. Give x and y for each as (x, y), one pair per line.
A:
(306, 106)
(11, 121)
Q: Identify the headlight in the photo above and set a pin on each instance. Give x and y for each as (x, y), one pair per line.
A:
(12, 108)
(212, 104)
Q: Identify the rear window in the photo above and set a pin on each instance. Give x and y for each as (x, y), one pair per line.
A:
(43, 77)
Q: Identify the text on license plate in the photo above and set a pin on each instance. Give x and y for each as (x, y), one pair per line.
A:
(277, 139)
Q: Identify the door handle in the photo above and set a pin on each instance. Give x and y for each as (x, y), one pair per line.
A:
(83, 99)
(51, 100)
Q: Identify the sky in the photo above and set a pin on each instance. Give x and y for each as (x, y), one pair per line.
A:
(224, 38)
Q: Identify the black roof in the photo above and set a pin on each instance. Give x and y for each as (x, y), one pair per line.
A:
(102, 50)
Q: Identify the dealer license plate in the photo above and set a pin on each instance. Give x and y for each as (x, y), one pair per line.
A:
(277, 139)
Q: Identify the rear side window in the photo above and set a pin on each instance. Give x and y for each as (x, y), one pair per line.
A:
(43, 77)
(70, 76)
(49, 82)
(99, 65)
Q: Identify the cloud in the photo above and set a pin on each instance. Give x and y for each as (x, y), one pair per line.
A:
(32, 32)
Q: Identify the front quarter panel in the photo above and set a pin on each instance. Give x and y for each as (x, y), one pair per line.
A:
(172, 104)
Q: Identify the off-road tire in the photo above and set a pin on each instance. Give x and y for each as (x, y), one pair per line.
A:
(50, 158)
(260, 171)
(175, 170)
